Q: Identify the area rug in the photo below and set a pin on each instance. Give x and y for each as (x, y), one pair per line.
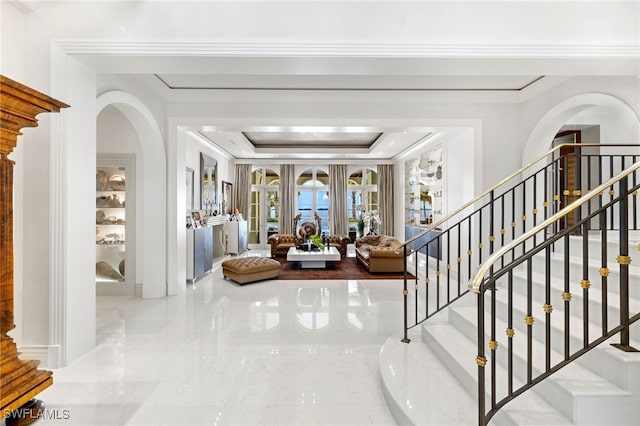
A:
(347, 269)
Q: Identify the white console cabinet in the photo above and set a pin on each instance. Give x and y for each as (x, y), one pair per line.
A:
(236, 236)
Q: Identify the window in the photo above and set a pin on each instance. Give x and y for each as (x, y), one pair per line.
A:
(264, 208)
(313, 195)
(362, 195)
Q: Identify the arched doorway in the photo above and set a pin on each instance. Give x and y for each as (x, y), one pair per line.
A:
(615, 123)
(611, 113)
(152, 201)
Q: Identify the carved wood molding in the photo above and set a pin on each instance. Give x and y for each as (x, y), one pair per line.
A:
(19, 106)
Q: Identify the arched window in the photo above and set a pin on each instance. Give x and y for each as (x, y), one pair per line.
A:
(362, 195)
(312, 185)
(264, 211)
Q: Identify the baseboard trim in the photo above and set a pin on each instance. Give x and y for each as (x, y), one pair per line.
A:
(48, 355)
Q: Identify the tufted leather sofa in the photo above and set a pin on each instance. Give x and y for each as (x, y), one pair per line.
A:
(281, 243)
(380, 253)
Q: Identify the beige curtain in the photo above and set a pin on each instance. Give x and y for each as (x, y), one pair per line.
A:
(338, 199)
(385, 198)
(287, 198)
(242, 190)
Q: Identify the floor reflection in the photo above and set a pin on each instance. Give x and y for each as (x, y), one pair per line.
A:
(272, 352)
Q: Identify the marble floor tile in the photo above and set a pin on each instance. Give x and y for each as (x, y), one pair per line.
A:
(273, 353)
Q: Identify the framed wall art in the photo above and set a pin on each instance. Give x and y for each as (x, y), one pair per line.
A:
(189, 193)
(208, 182)
(227, 197)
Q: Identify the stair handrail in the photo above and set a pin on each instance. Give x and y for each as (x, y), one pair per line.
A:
(475, 284)
(480, 284)
(468, 204)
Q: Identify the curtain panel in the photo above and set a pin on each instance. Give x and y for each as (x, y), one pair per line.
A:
(385, 198)
(338, 199)
(242, 190)
(287, 198)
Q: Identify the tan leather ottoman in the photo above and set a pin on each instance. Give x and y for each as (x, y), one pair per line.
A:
(249, 269)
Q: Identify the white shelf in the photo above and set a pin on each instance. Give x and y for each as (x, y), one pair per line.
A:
(115, 224)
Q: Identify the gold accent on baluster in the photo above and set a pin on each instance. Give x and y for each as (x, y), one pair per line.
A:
(547, 308)
(510, 332)
(601, 193)
(545, 204)
(524, 217)
(503, 231)
(493, 345)
(416, 286)
(604, 272)
(513, 224)
(624, 260)
(634, 193)
(469, 252)
(437, 273)
(481, 361)
(556, 197)
(480, 245)
(566, 296)
(612, 192)
(585, 284)
(566, 192)
(577, 192)
(426, 281)
(459, 260)
(529, 320)
(492, 238)
(405, 292)
(448, 266)
(534, 211)
(638, 246)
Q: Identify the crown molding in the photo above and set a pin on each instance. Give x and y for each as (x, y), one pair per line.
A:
(380, 50)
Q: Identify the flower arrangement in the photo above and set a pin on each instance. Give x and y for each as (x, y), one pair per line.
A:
(316, 240)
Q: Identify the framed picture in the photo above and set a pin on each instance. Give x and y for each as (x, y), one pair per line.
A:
(208, 182)
(196, 219)
(227, 198)
(189, 189)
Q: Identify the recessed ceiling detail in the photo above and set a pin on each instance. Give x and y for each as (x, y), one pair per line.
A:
(312, 139)
(391, 82)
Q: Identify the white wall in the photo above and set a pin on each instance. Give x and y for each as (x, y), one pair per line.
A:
(226, 168)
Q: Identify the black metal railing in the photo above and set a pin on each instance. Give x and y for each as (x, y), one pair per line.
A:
(540, 352)
(443, 257)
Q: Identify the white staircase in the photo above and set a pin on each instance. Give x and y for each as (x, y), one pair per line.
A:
(433, 380)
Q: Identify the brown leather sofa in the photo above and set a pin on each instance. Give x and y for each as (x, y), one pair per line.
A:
(281, 243)
(380, 253)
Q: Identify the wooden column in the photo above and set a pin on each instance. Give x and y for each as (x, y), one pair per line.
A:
(20, 380)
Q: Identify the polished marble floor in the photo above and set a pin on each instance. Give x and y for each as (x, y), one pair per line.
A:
(272, 352)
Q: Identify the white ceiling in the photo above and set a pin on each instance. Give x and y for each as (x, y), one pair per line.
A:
(190, 84)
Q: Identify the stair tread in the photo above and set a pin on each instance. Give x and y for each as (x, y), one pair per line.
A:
(578, 380)
(462, 349)
(420, 392)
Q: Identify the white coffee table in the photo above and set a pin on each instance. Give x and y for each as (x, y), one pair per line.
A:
(313, 259)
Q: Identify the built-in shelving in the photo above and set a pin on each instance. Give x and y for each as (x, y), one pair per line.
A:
(114, 223)
(424, 188)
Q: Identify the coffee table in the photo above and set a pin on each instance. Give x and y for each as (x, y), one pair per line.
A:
(313, 259)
